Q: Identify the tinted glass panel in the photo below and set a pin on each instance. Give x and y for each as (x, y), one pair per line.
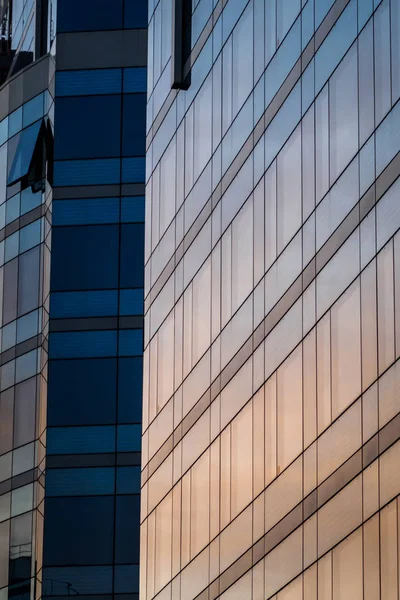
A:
(82, 392)
(86, 172)
(24, 146)
(130, 390)
(127, 529)
(94, 129)
(134, 125)
(102, 303)
(84, 257)
(77, 538)
(96, 81)
(75, 15)
(132, 255)
(135, 14)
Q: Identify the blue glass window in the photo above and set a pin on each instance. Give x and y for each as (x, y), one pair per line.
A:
(30, 236)
(133, 170)
(94, 130)
(321, 9)
(130, 342)
(135, 14)
(91, 15)
(15, 122)
(335, 45)
(85, 212)
(130, 390)
(82, 392)
(3, 130)
(80, 482)
(21, 152)
(128, 480)
(127, 520)
(133, 209)
(126, 580)
(132, 256)
(72, 532)
(102, 303)
(129, 438)
(87, 172)
(131, 302)
(80, 440)
(33, 110)
(83, 344)
(77, 581)
(29, 200)
(85, 257)
(134, 125)
(135, 80)
(95, 81)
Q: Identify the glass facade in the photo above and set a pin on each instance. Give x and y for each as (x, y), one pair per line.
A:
(92, 507)
(24, 274)
(271, 425)
(72, 207)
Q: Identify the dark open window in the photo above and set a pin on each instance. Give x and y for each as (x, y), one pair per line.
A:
(181, 43)
(31, 157)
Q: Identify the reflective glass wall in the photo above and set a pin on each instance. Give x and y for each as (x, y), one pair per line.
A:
(271, 426)
(24, 275)
(92, 506)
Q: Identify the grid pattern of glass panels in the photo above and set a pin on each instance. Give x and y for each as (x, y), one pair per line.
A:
(24, 275)
(271, 408)
(92, 504)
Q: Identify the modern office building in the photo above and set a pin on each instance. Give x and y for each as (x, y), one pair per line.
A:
(72, 129)
(271, 444)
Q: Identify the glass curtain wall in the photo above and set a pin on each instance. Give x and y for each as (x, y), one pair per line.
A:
(271, 426)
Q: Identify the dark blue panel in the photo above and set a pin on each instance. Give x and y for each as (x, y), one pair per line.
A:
(97, 303)
(88, 127)
(79, 531)
(87, 83)
(130, 390)
(135, 15)
(129, 438)
(127, 529)
(85, 212)
(82, 392)
(85, 257)
(83, 582)
(134, 125)
(130, 342)
(132, 255)
(89, 15)
(91, 481)
(126, 581)
(97, 171)
(133, 170)
(128, 480)
(133, 209)
(131, 302)
(83, 344)
(135, 80)
(82, 440)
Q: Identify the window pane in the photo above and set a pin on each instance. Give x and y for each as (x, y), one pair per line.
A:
(346, 352)
(24, 145)
(94, 141)
(84, 542)
(91, 260)
(92, 15)
(343, 106)
(290, 441)
(348, 569)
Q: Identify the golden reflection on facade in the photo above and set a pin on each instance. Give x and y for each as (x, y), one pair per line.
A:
(271, 437)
